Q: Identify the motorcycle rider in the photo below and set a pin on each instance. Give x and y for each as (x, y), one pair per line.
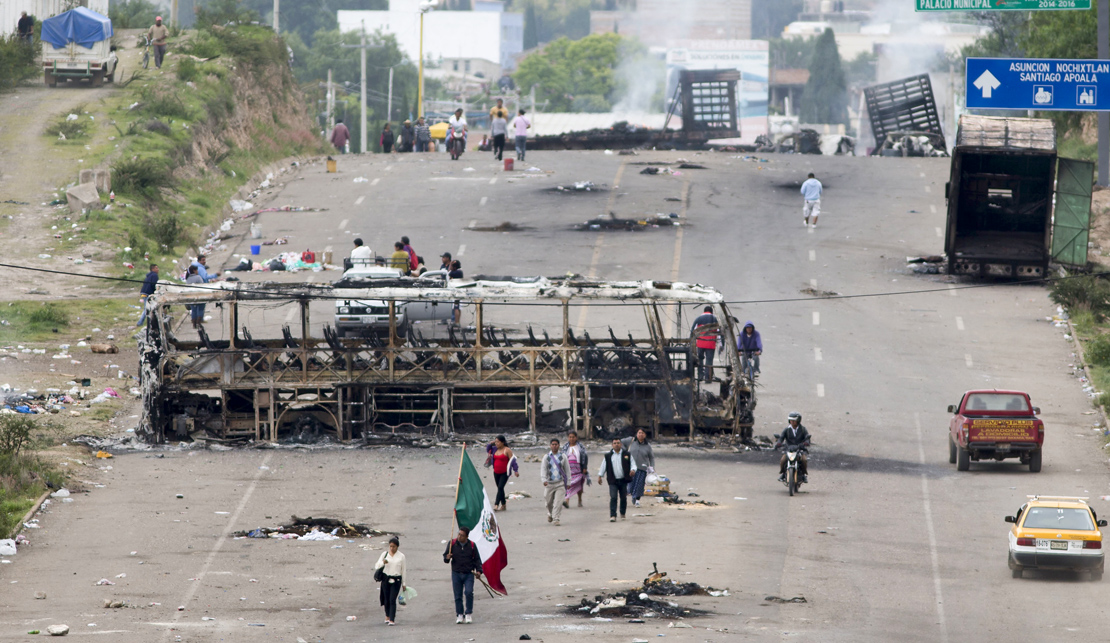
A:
(457, 123)
(794, 435)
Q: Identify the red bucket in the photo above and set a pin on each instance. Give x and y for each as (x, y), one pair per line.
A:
(508, 165)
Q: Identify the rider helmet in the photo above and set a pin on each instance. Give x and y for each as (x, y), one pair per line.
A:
(794, 416)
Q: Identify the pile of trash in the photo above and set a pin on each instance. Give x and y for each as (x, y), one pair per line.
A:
(52, 401)
(672, 499)
(579, 186)
(637, 602)
(631, 225)
(312, 529)
(668, 587)
(284, 262)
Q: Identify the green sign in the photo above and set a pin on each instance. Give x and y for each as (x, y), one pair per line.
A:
(1001, 5)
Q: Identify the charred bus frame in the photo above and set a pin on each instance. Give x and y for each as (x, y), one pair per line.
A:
(359, 388)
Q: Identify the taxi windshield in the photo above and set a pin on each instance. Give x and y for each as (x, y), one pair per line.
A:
(997, 402)
(1058, 518)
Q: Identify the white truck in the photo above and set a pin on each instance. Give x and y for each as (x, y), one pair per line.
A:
(78, 44)
(355, 318)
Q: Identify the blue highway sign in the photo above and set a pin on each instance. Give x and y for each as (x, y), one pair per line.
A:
(1038, 83)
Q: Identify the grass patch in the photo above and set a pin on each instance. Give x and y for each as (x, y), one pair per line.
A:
(23, 476)
(1073, 147)
(69, 129)
(32, 321)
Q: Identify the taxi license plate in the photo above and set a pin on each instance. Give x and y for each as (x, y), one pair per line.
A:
(1058, 544)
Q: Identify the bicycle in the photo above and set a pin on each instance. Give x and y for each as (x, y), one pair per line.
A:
(747, 364)
(146, 52)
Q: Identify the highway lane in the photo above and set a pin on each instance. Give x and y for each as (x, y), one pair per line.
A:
(912, 550)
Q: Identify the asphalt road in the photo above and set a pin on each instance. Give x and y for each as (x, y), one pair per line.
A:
(888, 542)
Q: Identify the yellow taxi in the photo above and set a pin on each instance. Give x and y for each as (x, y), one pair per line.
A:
(1056, 532)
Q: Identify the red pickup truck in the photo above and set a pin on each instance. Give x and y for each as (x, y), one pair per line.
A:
(995, 425)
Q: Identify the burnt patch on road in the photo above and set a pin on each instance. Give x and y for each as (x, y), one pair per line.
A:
(326, 528)
(578, 187)
(813, 292)
(504, 226)
(797, 185)
(635, 603)
(630, 225)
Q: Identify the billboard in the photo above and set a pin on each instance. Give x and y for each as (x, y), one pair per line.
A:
(751, 58)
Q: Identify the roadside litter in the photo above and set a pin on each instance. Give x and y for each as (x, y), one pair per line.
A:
(579, 186)
(637, 602)
(284, 208)
(7, 547)
(631, 225)
(312, 529)
(777, 599)
(506, 226)
(660, 170)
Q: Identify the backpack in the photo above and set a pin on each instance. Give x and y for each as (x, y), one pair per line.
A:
(308, 256)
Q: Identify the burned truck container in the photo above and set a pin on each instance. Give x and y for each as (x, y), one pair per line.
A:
(273, 368)
(1014, 206)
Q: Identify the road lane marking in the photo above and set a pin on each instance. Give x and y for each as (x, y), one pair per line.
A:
(592, 274)
(484, 200)
(927, 188)
(809, 229)
(462, 249)
(933, 209)
(967, 360)
(940, 233)
(359, 200)
(951, 290)
(493, 180)
(473, 222)
(231, 524)
(817, 356)
(375, 181)
(931, 532)
(816, 318)
(820, 390)
(388, 168)
(813, 255)
(959, 323)
(812, 283)
(675, 310)
(343, 224)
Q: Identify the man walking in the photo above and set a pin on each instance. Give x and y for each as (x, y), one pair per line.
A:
(811, 192)
(157, 35)
(706, 332)
(553, 473)
(520, 128)
(339, 136)
(644, 463)
(26, 28)
(408, 137)
(423, 135)
(498, 127)
(466, 563)
(616, 467)
(150, 282)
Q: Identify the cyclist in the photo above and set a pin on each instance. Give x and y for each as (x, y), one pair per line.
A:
(750, 346)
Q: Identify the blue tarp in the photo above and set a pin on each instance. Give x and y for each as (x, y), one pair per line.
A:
(82, 26)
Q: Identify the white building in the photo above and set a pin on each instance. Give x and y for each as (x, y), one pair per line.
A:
(10, 10)
(463, 37)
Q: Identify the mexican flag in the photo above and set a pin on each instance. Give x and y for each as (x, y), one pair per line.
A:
(473, 511)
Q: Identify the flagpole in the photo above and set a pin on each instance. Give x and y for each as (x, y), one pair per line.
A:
(458, 484)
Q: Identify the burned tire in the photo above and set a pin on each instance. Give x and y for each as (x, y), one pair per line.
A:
(951, 450)
(1035, 461)
(963, 459)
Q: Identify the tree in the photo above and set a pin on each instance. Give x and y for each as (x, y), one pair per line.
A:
(1064, 34)
(531, 29)
(770, 17)
(567, 69)
(132, 14)
(791, 53)
(825, 99)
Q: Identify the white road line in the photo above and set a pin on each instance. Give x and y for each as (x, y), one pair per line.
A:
(194, 586)
(817, 356)
(922, 175)
(592, 274)
(809, 230)
(967, 360)
(813, 255)
(289, 315)
(933, 209)
(462, 249)
(820, 390)
(484, 200)
(493, 180)
(388, 168)
(927, 188)
(343, 224)
(812, 283)
(359, 200)
(951, 290)
(816, 318)
(473, 222)
(376, 181)
(940, 233)
(959, 323)
(931, 532)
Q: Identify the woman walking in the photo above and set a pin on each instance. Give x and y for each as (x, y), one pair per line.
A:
(644, 461)
(392, 564)
(578, 464)
(503, 461)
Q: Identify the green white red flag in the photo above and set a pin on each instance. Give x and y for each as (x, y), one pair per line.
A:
(474, 512)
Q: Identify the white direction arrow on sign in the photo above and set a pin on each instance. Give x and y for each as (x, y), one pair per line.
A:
(987, 83)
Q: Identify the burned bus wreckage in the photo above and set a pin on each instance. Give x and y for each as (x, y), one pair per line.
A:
(271, 366)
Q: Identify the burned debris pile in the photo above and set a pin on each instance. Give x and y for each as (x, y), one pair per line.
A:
(312, 529)
(638, 602)
(630, 225)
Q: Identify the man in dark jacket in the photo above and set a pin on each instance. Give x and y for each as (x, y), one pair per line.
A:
(150, 282)
(26, 28)
(408, 137)
(794, 435)
(616, 469)
(466, 563)
(750, 345)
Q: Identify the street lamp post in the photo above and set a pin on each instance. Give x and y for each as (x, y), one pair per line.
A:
(425, 7)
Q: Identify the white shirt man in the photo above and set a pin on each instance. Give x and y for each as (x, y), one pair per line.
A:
(811, 192)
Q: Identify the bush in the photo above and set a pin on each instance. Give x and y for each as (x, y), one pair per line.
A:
(165, 229)
(68, 129)
(186, 69)
(163, 102)
(15, 431)
(202, 45)
(1097, 351)
(48, 315)
(1086, 293)
(132, 14)
(157, 126)
(17, 62)
(141, 177)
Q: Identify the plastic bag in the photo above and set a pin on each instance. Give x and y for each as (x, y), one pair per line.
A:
(651, 479)
(407, 595)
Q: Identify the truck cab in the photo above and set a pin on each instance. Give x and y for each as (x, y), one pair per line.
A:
(995, 425)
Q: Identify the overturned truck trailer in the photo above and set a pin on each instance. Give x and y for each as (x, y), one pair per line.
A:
(271, 367)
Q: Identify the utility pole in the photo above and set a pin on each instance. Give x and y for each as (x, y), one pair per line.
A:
(389, 101)
(420, 82)
(1104, 117)
(330, 105)
(173, 13)
(362, 95)
(277, 14)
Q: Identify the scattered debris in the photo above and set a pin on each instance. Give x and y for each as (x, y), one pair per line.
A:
(505, 226)
(579, 186)
(926, 259)
(669, 587)
(778, 599)
(111, 604)
(312, 529)
(691, 166)
(57, 630)
(632, 225)
(672, 499)
(818, 293)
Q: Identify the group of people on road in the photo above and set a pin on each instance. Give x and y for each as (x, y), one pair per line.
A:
(707, 336)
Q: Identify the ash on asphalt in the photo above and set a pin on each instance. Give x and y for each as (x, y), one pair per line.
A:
(634, 603)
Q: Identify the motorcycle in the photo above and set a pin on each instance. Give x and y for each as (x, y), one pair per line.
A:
(457, 143)
(793, 479)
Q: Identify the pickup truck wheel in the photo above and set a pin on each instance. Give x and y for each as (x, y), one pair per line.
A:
(963, 459)
(951, 450)
(1035, 461)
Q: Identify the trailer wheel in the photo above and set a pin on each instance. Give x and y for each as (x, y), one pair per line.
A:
(51, 81)
(1035, 461)
(963, 459)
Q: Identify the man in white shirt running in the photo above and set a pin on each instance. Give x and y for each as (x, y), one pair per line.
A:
(811, 192)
